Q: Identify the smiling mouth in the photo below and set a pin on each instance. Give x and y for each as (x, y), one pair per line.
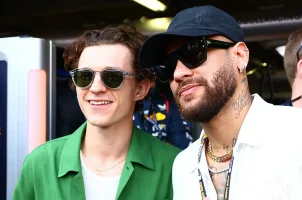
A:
(98, 103)
(187, 90)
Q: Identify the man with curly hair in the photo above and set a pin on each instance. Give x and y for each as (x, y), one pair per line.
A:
(107, 157)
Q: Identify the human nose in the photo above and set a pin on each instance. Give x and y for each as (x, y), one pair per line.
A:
(97, 84)
(181, 72)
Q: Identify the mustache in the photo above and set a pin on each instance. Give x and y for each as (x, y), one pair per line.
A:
(199, 80)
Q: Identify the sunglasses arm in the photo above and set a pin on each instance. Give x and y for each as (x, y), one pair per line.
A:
(215, 44)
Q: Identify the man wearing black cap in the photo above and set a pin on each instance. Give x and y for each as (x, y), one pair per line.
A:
(248, 149)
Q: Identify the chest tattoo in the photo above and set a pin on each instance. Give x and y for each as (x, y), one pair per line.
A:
(219, 181)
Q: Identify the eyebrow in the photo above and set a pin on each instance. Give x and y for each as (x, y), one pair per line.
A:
(107, 67)
(113, 67)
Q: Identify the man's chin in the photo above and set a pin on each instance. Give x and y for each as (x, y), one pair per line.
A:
(188, 110)
(98, 122)
(188, 102)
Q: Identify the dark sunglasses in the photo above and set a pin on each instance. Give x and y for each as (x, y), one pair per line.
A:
(299, 52)
(111, 78)
(191, 55)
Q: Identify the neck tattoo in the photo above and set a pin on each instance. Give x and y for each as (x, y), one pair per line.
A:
(219, 159)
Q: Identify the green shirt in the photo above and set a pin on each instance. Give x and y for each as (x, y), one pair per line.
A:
(53, 170)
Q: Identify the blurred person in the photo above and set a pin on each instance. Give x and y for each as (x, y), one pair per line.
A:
(248, 149)
(107, 157)
(293, 67)
(160, 117)
(67, 105)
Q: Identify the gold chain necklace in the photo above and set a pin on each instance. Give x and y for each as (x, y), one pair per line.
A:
(223, 158)
(102, 170)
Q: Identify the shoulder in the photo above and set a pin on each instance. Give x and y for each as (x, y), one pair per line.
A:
(288, 110)
(275, 111)
(186, 159)
(287, 123)
(45, 157)
(159, 149)
(285, 117)
(275, 118)
(53, 148)
(48, 150)
(272, 124)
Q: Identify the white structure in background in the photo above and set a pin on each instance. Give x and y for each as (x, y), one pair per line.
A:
(281, 50)
(28, 74)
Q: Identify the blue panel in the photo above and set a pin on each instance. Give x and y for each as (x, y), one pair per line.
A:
(3, 133)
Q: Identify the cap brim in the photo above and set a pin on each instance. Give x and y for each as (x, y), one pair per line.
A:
(154, 49)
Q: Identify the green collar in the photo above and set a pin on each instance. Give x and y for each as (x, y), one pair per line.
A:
(139, 151)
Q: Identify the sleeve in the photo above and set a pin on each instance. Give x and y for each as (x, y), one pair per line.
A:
(24, 189)
(179, 131)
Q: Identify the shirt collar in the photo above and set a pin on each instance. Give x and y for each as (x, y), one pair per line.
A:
(139, 151)
(70, 156)
(196, 149)
(255, 120)
(249, 132)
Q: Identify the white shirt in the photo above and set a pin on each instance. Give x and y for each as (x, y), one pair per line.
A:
(97, 187)
(267, 158)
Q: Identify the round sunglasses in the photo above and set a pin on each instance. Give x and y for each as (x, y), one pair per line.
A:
(111, 78)
(191, 55)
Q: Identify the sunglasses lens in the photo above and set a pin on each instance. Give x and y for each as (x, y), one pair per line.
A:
(193, 54)
(82, 78)
(165, 72)
(112, 79)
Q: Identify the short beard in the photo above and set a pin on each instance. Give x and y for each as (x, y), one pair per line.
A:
(214, 98)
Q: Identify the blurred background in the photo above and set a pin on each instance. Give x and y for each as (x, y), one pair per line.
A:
(36, 101)
(266, 26)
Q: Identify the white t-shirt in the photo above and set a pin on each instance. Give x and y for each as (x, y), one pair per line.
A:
(97, 187)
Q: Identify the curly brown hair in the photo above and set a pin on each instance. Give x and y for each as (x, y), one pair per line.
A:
(290, 55)
(122, 34)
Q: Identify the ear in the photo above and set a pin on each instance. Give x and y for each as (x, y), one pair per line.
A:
(241, 54)
(142, 89)
(299, 69)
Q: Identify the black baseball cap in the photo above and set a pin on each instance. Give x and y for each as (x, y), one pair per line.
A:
(198, 21)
